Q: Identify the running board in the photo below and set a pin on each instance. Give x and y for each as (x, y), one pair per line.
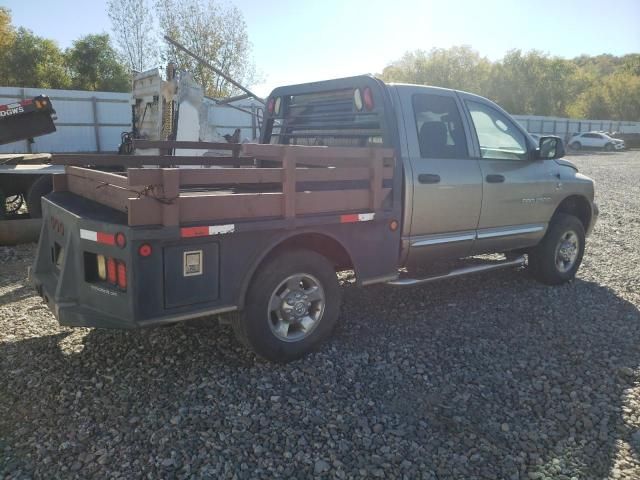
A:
(406, 282)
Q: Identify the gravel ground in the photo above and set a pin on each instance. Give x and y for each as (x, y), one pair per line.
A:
(492, 376)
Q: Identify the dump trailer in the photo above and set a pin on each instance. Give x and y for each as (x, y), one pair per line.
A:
(350, 174)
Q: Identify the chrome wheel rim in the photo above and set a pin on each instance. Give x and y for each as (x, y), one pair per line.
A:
(296, 307)
(567, 251)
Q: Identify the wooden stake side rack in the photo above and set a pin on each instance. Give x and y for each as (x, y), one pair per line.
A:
(172, 196)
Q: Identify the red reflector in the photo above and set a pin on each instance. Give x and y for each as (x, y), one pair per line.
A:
(122, 275)
(349, 218)
(105, 238)
(194, 231)
(121, 240)
(112, 276)
(144, 250)
(367, 96)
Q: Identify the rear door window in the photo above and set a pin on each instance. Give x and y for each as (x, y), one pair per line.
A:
(439, 127)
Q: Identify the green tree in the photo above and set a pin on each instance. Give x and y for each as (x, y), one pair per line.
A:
(93, 65)
(7, 31)
(32, 61)
(215, 32)
(458, 67)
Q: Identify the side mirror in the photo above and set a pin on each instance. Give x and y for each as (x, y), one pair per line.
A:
(550, 148)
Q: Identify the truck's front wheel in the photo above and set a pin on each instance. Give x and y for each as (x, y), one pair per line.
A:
(557, 257)
(292, 305)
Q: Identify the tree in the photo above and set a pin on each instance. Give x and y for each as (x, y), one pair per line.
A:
(32, 61)
(7, 31)
(458, 67)
(133, 28)
(216, 33)
(533, 83)
(94, 65)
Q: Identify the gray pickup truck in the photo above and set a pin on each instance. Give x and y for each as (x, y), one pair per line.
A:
(467, 180)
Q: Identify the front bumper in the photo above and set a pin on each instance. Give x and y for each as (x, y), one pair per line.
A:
(619, 146)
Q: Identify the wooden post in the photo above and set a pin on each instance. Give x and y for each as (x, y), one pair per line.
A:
(171, 193)
(376, 173)
(96, 127)
(289, 183)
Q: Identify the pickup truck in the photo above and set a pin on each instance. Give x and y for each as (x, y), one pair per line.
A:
(350, 174)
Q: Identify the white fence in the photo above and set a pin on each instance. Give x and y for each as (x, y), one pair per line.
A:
(93, 121)
(87, 121)
(564, 127)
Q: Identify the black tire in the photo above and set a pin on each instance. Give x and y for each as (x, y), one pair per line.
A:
(576, 145)
(545, 258)
(39, 188)
(255, 326)
(608, 147)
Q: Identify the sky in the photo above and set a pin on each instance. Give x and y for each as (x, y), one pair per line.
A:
(297, 41)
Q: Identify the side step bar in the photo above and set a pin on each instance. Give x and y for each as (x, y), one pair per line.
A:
(406, 282)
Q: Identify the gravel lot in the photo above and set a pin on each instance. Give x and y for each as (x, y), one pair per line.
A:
(492, 376)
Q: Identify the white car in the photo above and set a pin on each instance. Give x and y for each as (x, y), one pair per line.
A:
(595, 140)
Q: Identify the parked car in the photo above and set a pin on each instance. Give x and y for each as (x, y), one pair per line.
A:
(631, 140)
(595, 140)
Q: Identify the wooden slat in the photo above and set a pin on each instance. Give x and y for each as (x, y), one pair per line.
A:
(109, 195)
(144, 176)
(217, 208)
(337, 173)
(140, 160)
(98, 176)
(224, 176)
(144, 144)
(331, 201)
(334, 201)
(318, 156)
(97, 160)
(144, 211)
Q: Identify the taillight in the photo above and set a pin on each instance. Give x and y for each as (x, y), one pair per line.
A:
(112, 275)
(102, 267)
(145, 250)
(367, 95)
(121, 240)
(271, 105)
(122, 275)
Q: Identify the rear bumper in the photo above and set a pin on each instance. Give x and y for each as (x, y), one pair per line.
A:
(71, 314)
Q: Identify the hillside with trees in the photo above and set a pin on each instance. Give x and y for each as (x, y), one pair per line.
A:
(531, 83)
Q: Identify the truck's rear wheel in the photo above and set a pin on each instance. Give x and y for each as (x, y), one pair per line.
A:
(292, 305)
(38, 189)
(558, 256)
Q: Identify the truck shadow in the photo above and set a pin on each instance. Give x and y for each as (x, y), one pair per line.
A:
(443, 362)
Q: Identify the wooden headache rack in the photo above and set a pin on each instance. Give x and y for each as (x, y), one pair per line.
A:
(305, 180)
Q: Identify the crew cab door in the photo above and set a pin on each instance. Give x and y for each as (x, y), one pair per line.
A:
(519, 191)
(444, 184)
